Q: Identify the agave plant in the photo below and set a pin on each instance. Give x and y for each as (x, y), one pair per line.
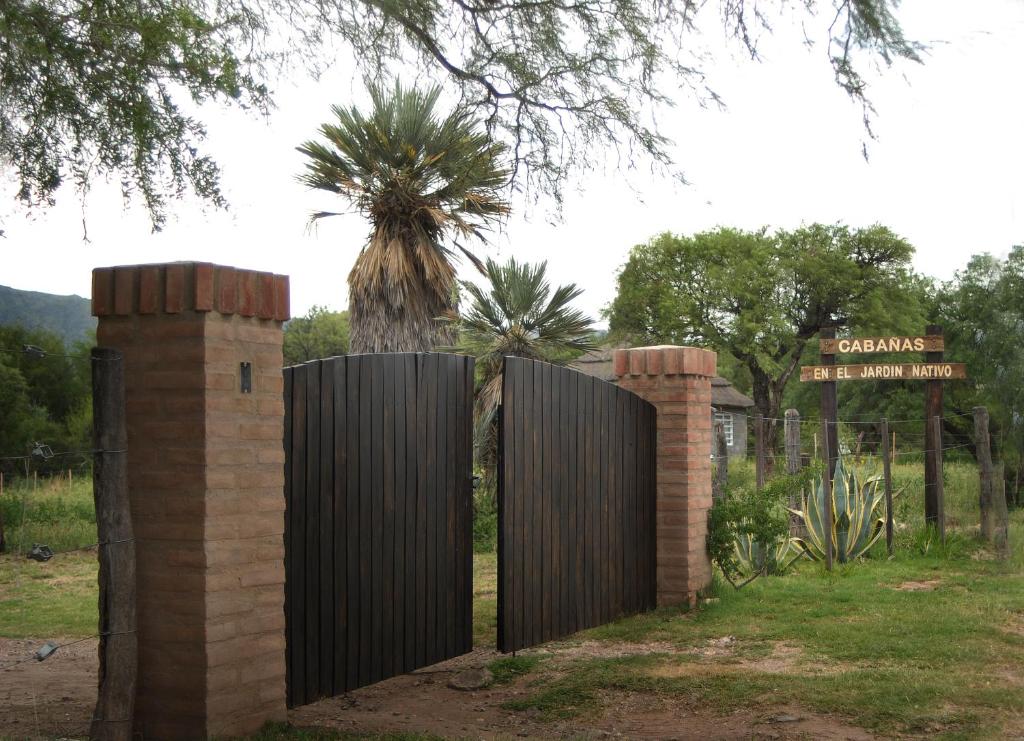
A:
(754, 557)
(856, 523)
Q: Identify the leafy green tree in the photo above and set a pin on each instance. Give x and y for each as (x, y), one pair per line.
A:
(982, 312)
(319, 334)
(100, 88)
(761, 297)
(423, 180)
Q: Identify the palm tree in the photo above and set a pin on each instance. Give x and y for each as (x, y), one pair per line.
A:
(424, 182)
(521, 316)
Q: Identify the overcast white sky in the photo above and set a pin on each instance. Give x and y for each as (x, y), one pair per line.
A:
(947, 173)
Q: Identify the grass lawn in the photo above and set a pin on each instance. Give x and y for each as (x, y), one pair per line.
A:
(929, 643)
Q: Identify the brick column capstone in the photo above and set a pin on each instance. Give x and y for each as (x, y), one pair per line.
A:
(677, 381)
(205, 478)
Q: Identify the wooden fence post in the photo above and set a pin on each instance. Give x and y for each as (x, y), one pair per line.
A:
(827, 481)
(721, 462)
(829, 410)
(934, 448)
(983, 447)
(118, 651)
(887, 474)
(1000, 514)
(759, 452)
(792, 433)
(933, 454)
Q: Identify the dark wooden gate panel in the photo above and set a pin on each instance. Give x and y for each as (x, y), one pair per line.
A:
(378, 525)
(576, 492)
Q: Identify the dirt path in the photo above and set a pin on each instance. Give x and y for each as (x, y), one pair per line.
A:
(54, 699)
(50, 699)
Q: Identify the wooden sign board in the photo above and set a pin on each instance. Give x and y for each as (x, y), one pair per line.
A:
(927, 343)
(884, 371)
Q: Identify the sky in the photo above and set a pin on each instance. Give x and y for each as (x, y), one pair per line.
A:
(946, 172)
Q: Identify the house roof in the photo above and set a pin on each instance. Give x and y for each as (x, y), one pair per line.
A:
(598, 363)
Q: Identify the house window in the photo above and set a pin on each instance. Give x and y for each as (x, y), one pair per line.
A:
(726, 419)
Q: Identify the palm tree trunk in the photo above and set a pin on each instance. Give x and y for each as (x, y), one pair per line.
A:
(379, 326)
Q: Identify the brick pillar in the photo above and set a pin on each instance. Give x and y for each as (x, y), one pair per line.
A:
(677, 380)
(206, 478)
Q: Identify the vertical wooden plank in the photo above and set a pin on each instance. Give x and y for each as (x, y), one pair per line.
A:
(468, 366)
(414, 556)
(607, 421)
(523, 510)
(564, 505)
(594, 475)
(544, 501)
(425, 412)
(983, 449)
(453, 489)
(614, 554)
(401, 452)
(431, 385)
(325, 456)
(386, 368)
(366, 532)
(377, 516)
(522, 550)
(313, 689)
(933, 407)
(940, 495)
(340, 555)
(290, 554)
(506, 475)
(355, 441)
(572, 493)
(536, 573)
(887, 476)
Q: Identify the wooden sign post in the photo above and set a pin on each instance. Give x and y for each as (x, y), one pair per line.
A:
(933, 408)
(829, 404)
(934, 371)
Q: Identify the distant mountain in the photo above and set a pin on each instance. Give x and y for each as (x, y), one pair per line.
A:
(68, 316)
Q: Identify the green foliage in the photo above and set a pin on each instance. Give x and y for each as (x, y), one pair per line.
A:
(762, 297)
(96, 88)
(858, 517)
(319, 334)
(424, 180)
(982, 311)
(44, 399)
(485, 520)
(748, 529)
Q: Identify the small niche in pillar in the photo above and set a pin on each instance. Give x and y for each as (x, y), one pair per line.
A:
(245, 368)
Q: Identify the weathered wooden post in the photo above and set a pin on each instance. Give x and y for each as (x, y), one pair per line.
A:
(887, 474)
(792, 433)
(983, 447)
(935, 448)
(1000, 514)
(115, 706)
(721, 449)
(827, 481)
(932, 409)
(829, 408)
(759, 463)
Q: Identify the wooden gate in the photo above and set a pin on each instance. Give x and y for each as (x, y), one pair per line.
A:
(576, 486)
(378, 526)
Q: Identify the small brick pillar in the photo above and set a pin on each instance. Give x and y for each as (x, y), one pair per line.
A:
(677, 380)
(206, 478)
